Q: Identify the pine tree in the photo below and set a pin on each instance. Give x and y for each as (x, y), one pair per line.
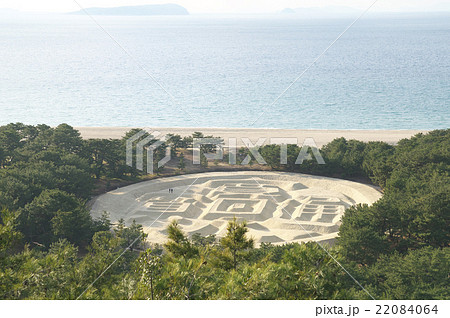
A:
(236, 240)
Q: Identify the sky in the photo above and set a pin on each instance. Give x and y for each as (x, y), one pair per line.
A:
(231, 6)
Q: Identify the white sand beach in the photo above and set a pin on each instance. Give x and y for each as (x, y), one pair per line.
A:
(278, 206)
(321, 137)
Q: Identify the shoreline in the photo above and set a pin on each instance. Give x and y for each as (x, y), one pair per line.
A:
(320, 137)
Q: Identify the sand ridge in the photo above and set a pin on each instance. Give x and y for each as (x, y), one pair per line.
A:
(278, 206)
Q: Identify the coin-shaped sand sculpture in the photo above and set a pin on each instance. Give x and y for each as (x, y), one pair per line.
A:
(278, 207)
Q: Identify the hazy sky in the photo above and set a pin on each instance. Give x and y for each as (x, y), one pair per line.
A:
(231, 6)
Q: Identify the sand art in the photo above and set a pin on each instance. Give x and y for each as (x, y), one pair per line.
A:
(279, 207)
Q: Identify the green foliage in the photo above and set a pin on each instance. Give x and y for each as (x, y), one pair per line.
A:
(178, 244)
(132, 235)
(60, 272)
(344, 158)
(199, 240)
(8, 232)
(55, 214)
(98, 149)
(291, 271)
(181, 163)
(148, 140)
(271, 154)
(51, 248)
(203, 160)
(53, 275)
(413, 213)
(236, 243)
(362, 234)
(149, 268)
(377, 162)
(175, 141)
(420, 274)
(10, 141)
(304, 272)
(67, 139)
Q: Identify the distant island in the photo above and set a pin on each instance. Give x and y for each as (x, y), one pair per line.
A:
(155, 9)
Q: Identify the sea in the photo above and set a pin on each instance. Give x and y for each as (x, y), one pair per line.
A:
(261, 71)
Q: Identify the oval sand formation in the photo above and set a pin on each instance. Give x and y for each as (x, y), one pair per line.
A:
(279, 207)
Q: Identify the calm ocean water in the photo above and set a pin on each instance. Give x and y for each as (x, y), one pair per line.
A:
(384, 73)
